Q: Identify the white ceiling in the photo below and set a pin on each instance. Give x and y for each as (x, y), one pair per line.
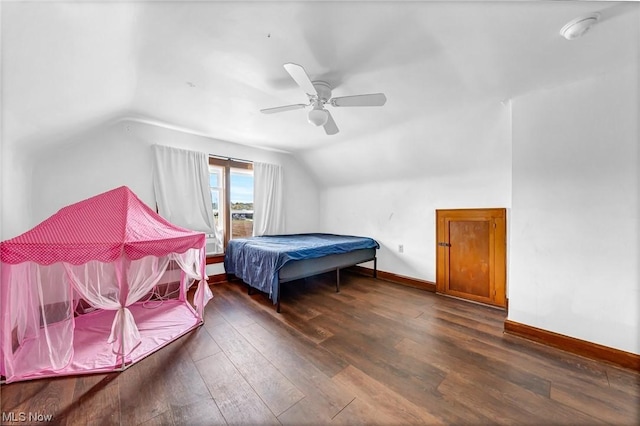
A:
(209, 67)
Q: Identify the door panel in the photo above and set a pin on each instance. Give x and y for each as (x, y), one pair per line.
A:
(469, 257)
(471, 254)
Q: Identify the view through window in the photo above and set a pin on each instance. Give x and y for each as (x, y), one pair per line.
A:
(231, 183)
(241, 203)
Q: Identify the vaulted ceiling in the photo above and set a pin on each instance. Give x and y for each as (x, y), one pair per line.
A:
(209, 67)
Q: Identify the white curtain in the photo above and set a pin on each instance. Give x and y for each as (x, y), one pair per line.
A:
(268, 209)
(181, 186)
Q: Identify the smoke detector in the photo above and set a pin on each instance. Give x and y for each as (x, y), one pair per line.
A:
(577, 27)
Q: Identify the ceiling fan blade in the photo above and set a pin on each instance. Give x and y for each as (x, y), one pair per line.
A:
(375, 99)
(330, 126)
(282, 108)
(300, 76)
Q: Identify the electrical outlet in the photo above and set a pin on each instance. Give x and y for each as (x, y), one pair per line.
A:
(400, 248)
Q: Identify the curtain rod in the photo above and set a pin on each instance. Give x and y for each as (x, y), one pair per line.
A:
(220, 157)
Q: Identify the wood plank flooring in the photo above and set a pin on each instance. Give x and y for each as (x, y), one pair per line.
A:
(374, 354)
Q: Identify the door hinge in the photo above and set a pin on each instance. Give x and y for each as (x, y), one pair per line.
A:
(444, 244)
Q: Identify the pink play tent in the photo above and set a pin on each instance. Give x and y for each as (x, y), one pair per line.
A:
(97, 286)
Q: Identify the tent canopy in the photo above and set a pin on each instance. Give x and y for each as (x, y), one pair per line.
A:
(104, 227)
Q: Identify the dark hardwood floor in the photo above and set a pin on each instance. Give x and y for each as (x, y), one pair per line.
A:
(375, 353)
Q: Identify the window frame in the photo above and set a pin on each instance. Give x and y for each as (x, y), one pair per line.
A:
(227, 164)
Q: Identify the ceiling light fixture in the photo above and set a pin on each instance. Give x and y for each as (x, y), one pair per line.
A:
(577, 27)
(318, 116)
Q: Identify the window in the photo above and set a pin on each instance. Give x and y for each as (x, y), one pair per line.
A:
(231, 183)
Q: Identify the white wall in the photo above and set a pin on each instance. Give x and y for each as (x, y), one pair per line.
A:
(95, 161)
(65, 66)
(574, 221)
(461, 159)
(15, 191)
(120, 154)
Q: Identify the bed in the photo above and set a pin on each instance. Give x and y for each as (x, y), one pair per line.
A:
(265, 262)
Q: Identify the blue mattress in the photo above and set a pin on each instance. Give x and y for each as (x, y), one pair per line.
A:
(257, 260)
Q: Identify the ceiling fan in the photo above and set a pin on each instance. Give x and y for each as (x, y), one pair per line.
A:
(319, 93)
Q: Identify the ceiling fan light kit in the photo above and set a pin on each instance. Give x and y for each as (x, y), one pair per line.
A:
(318, 116)
(579, 26)
(319, 94)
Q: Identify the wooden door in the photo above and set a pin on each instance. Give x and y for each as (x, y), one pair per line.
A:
(471, 254)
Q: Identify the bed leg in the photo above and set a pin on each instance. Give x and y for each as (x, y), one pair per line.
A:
(278, 296)
(337, 280)
(375, 267)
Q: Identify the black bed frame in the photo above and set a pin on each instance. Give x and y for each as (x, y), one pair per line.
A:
(298, 269)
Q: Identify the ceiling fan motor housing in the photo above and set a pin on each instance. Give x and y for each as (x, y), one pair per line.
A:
(323, 89)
